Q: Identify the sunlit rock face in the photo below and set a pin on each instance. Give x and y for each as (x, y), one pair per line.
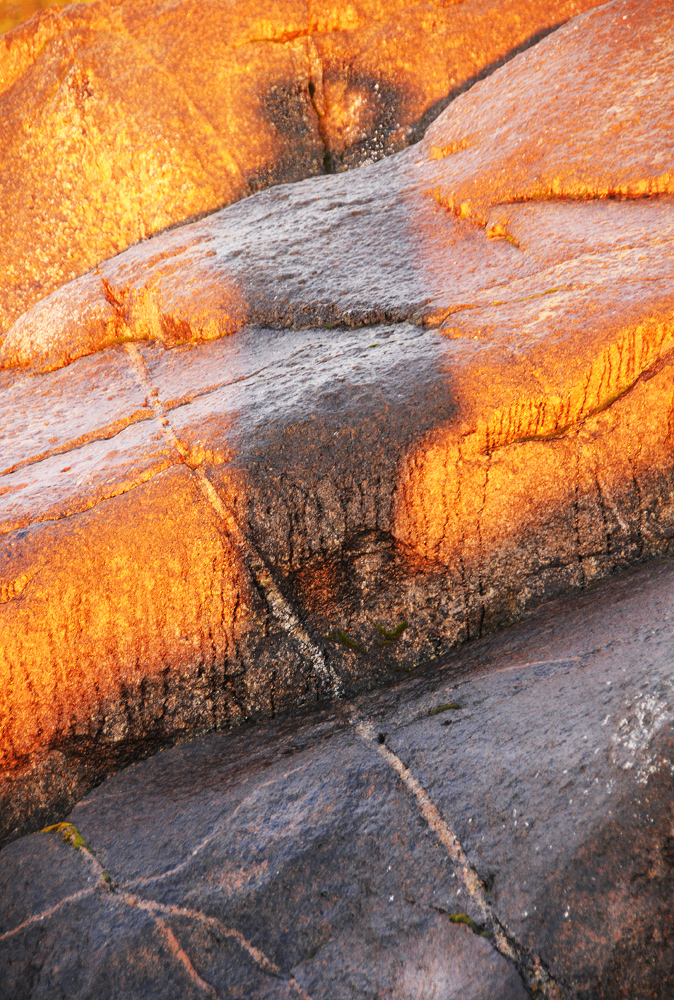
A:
(120, 119)
(301, 446)
(14, 12)
(494, 828)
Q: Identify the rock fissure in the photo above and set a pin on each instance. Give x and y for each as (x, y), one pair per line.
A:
(360, 873)
(119, 490)
(330, 496)
(258, 957)
(158, 910)
(660, 187)
(316, 96)
(542, 419)
(116, 300)
(647, 187)
(147, 319)
(181, 956)
(208, 840)
(105, 433)
(174, 404)
(280, 608)
(47, 914)
(536, 978)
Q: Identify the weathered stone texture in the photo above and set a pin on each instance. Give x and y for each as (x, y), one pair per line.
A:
(591, 146)
(121, 118)
(523, 787)
(263, 442)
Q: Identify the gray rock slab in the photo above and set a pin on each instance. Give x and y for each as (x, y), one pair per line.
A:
(523, 787)
(289, 866)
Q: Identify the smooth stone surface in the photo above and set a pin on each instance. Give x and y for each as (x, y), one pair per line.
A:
(291, 860)
(203, 533)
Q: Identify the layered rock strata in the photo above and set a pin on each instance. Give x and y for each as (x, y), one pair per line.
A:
(334, 430)
(122, 117)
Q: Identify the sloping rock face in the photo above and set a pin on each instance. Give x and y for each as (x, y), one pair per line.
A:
(121, 118)
(331, 432)
(496, 828)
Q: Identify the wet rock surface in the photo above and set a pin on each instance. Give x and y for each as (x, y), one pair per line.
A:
(322, 437)
(495, 827)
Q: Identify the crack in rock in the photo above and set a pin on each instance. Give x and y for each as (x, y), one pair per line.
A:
(537, 980)
(279, 606)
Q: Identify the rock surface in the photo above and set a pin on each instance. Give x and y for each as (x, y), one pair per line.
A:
(14, 12)
(421, 428)
(119, 119)
(523, 789)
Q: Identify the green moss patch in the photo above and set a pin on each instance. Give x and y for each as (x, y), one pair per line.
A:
(449, 706)
(69, 833)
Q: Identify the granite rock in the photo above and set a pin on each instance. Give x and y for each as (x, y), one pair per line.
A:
(331, 432)
(120, 119)
(496, 827)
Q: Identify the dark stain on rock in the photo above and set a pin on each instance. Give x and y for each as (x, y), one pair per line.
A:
(362, 120)
(288, 107)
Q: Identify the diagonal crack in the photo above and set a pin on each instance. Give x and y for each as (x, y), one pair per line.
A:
(46, 914)
(119, 491)
(318, 101)
(181, 955)
(104, 433)
(538, 982)
(279, 607)
(158, 911)
(216, 832)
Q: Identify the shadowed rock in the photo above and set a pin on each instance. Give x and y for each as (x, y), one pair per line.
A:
(415, 434)
(119, 119)
(498, 827)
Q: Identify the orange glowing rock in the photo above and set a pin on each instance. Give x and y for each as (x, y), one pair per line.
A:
(13, 12)
(333, 430)
(119, 119)
(590, 140)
